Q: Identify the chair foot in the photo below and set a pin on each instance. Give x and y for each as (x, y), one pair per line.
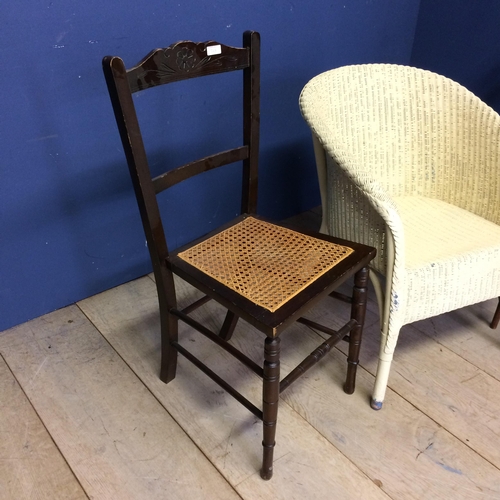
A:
(266, 472)
(266, 475)
(167, 375)
(169, 336)
(168, 364)
(381, 379)
(349, 388)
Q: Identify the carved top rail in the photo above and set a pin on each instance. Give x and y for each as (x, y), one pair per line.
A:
(184, 60)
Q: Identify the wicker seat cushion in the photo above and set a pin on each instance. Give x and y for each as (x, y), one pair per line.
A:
(266, 263)
(452, 257)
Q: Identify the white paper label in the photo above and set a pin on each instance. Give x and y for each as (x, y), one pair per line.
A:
(213, 50)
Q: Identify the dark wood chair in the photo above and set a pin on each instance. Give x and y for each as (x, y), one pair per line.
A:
(263, 272)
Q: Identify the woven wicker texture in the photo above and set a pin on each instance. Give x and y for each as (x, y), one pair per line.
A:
(412, 154)
(265, 263)
(460, 250)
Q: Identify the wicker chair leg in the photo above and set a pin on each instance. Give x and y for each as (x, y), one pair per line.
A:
(270, 398)
(496, 316)
(381, 380)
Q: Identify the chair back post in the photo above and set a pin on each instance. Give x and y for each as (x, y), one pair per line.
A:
(251, 122)
(130, 133)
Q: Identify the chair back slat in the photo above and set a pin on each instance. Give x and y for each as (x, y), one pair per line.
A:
(179, 174)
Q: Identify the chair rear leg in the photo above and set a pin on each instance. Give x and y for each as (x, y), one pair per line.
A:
(496, 316)
(358, 311)
(270, 398)
(169, 334)
(227, 329)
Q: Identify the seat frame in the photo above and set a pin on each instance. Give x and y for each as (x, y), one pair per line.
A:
(163, 66)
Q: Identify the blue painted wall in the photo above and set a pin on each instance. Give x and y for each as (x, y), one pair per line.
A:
(461, 40)
(69, 226)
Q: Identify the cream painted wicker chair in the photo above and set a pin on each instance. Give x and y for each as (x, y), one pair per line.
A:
(409, 162)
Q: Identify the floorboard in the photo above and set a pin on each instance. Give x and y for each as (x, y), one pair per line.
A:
(30, 463)
(466, 332)
(449, 389)
(116, 437)
(225, 431)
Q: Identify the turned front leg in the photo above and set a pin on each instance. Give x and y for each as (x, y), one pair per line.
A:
(270, 398)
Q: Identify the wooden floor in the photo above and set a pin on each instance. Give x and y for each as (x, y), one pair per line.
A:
(84, 415)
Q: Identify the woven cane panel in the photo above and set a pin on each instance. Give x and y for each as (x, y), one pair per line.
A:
(265, 263)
